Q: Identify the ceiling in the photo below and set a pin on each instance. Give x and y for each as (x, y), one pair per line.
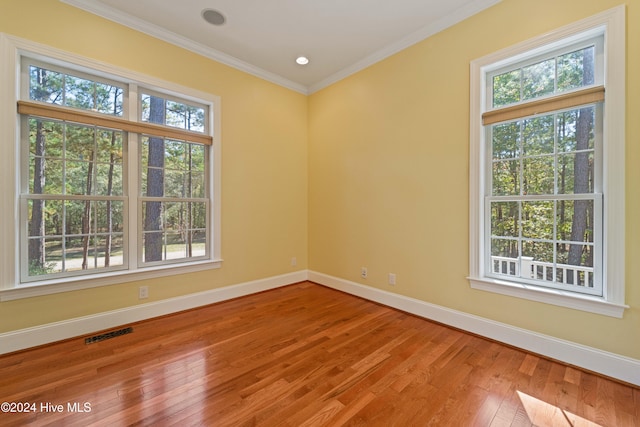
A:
(264, 37)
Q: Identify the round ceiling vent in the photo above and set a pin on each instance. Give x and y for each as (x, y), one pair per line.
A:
(213, 17)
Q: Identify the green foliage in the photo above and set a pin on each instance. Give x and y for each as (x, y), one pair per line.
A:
(36, 269)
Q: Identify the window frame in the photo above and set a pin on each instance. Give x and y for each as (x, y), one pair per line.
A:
(12, 50)
(611, 25)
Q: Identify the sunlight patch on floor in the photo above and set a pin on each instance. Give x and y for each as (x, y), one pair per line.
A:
(545, 414)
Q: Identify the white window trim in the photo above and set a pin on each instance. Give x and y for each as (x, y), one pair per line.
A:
(11, 49)
(611, 23)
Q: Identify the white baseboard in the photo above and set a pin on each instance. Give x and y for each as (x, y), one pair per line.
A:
(57, 331)
(610, 364)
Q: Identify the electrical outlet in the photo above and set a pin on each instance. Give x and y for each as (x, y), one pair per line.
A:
(392, 279)
(294, 262)
(143, 292)
(363, 272)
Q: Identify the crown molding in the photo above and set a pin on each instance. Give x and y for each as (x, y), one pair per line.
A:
(160, 33)
(165, 35)
(413, 38)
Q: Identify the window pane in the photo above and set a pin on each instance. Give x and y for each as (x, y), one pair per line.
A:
(44, 256)
(575, 264)
(576, 129)
(80, 142)
(109, 99)
(109, 146)
(175, 154)
(46, 86)
(175, 247)
(45, 145)
(197, 185)
(64, 89)
(197, 157)
(538, 175)
(538, 79)
(45, 138)
(575, 173)
(175, 184)
(198, 243)
(575, 220)
(506, 140)
(576, 69)
(540, 256)
(79, 178)
(109, 180)
(198, 215)
(73, 253)
(52, 176)
(506, 88)
(74, 216)
(113, 250)
(165, 166)
(176, 116)
(152, 212)
(504, 257)
(71, 241)
(175, 217)
(152, 166)
(538, 136)
(155, 109)
(152, 247)
(53, 216)
(506, 178)
(109, 216)
(172, 237)
(505, 219)
(507, 248)
(538, 220)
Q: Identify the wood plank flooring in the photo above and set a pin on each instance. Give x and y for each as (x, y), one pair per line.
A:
(302, 355)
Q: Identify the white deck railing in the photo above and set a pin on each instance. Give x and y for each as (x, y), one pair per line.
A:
(528, 268)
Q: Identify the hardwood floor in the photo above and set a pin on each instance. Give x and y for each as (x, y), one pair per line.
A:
(303, 355)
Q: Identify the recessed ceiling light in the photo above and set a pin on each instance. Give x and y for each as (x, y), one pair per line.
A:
(213, 17)
(302, 60)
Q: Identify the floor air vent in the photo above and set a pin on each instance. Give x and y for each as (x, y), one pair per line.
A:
(107, 335)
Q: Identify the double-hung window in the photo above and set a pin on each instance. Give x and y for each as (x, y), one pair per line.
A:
(545, 172)
(115, 178)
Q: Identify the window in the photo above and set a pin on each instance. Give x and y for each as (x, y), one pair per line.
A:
(542, 188)
(547, 153)
(72, 198)
(117, 177)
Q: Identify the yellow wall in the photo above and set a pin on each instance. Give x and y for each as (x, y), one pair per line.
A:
(389, 165)
(264, 154)
(371, 171)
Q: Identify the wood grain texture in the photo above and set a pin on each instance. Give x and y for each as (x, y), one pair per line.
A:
(304, 355)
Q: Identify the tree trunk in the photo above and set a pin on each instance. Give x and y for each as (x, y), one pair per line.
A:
(36, 226)
(86, 217)
(581, 169)
(155, 186)
(109, 239)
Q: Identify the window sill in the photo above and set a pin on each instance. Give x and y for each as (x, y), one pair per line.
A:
(560, 298)
(77, 283)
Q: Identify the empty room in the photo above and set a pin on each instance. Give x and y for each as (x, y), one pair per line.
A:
(320, 213)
